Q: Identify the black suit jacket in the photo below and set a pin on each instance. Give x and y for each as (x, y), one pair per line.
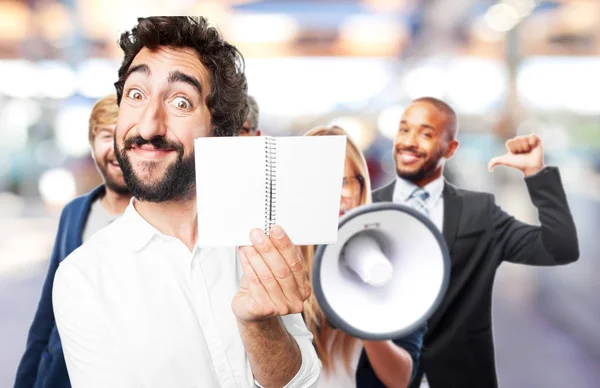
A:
(458, 349)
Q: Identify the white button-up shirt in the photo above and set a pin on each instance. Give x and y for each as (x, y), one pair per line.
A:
(135, 308)
(434, 204)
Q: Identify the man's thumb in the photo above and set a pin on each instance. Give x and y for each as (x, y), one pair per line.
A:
(498, 161)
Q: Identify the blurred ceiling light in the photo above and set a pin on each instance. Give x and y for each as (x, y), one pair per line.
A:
(484, 32)
(581, 15)
(96, 77)
(280, 94)
(18, 78)
(314, 86)
(54, 20)
(217, 12)
(574, 84)
(16, 117)
(15, 21)
(358, 131)
(240, 2)
(476, 85)
(107, 19)
(359, 33)
(56, 79)
(501, 17)
(388, 121)
(426, 80)
(57, 186)
(255, 27)
(583, 81)
(385, 5)
(71, 129)
(522, 7)
(540, 84)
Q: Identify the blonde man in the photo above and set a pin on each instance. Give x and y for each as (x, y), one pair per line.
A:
(43, 363)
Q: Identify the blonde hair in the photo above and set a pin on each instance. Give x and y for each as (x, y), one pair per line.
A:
(104, 113)
(342, 343)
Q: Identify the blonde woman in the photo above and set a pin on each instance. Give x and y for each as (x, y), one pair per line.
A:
(349, 361)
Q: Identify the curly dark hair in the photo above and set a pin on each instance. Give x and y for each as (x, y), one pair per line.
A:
(226, 100)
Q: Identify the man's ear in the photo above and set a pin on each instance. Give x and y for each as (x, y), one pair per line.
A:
(452, 147)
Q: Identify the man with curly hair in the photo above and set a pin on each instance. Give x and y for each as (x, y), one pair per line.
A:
(140, 304)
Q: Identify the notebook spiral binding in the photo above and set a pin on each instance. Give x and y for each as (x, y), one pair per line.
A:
(270, 184)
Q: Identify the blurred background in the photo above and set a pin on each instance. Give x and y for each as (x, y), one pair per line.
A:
(508, 67)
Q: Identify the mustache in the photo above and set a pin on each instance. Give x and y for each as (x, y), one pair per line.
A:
(412, 150)
(158, 142)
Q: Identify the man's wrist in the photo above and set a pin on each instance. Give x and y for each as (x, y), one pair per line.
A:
(529, 172)
(260, 325)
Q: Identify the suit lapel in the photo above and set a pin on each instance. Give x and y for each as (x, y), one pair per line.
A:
(453, 204)
(452, 208)
(385, 193)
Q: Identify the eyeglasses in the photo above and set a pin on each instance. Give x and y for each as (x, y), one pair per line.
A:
(354, 184)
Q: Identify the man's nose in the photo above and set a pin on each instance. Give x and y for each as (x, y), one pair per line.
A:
(408, 140)
(152, 122)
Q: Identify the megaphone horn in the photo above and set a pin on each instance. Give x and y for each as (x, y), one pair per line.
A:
(385, 275)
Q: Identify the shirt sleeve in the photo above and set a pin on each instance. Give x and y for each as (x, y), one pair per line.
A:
(310, 370)
(90, 352)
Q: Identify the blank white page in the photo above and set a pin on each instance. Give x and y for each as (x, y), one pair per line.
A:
(309, 175)
(230, 189)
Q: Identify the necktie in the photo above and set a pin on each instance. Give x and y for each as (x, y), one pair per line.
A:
(417, 200)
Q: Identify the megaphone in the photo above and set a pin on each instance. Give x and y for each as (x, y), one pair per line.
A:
(386, 274)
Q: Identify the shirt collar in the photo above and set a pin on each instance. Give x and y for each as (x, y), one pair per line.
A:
(139, 231)
(404, 188)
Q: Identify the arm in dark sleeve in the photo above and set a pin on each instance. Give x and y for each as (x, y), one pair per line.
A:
(412, 343)
(43, 321)
(552, 243)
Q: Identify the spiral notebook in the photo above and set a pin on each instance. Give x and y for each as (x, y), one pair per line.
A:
(255, 182)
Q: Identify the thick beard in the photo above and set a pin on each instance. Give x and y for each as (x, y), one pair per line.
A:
(178, 182)
(429, 167)
(120, 189)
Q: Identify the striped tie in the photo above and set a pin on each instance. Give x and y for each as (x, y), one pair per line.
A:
(417, 200)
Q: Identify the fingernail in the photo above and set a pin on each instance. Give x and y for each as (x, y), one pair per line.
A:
(277, 231)
(256, 236)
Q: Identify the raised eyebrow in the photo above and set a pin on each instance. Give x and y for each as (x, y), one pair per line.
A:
(141, 68)
(177, 76)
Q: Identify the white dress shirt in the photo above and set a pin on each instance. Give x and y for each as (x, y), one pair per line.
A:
(135, 308)
(434, 204)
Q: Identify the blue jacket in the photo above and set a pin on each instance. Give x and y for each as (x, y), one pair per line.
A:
(43, 364)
